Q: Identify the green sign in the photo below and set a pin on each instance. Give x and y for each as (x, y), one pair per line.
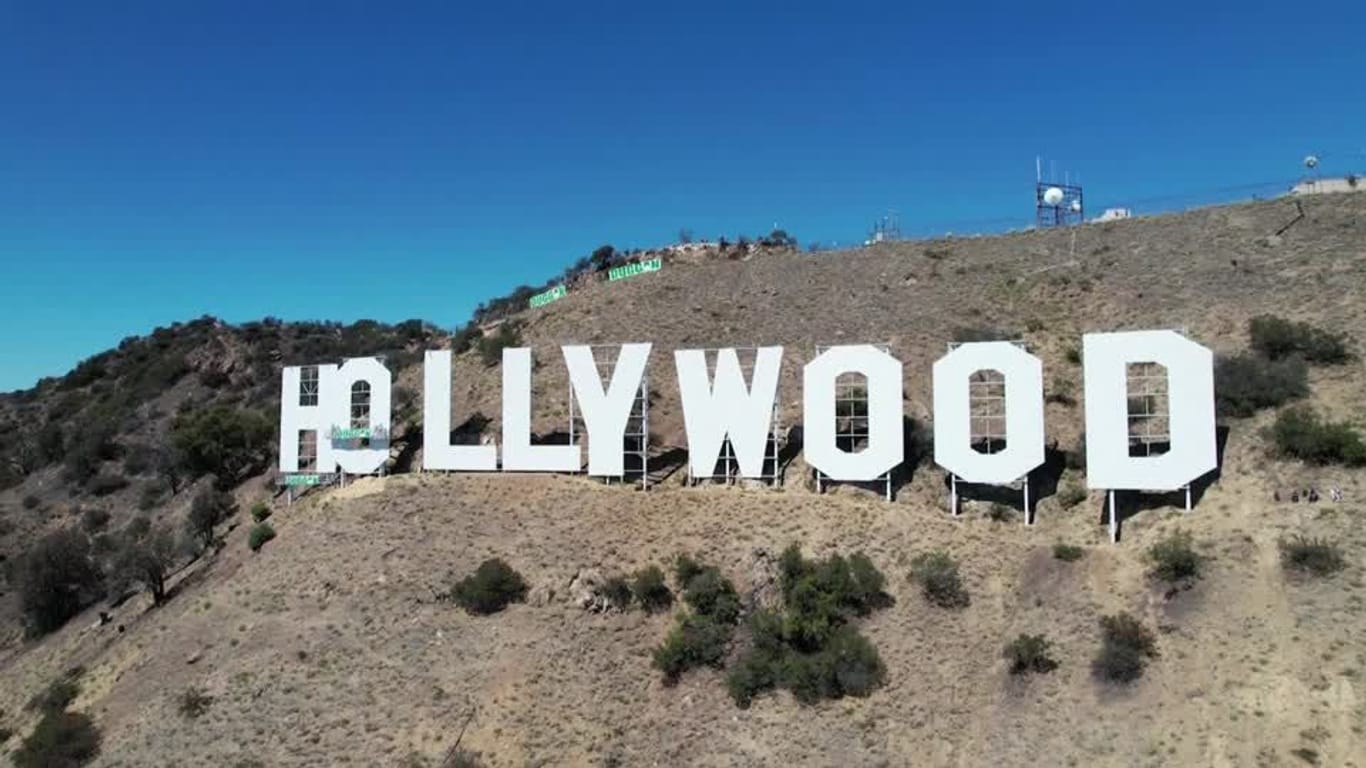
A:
(631, 270)
(302, 479)
(541, 299)
(356, 433)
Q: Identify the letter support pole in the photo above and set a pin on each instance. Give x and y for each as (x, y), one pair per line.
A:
(1114, 517)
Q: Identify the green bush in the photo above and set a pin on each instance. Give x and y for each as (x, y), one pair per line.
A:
(697, 640)
(1247, 383)
(491, 347)
(146, 559)
(810, 647)
(106, 483)
(847, 666)
(1314, 556)
(226, 443)
(209, 508)
(999, 513)
(1126, 645)
(1068, 553)
(150, 495)
(140, 458)
(260, 511)
(965, 335)
(259, 535)
(60, 740)
(58, 694)
(1300, 433)
(492, 586)
(193, 702)
(1277, 337)
(617, 591)
(57, 577)
(685, 568)
(711, 594)
(937, 575)
(1071, 494)
(1174, 558)
(1030, 653)
(94, 520)
(650, 591)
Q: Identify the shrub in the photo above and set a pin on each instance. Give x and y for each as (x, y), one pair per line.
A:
(56, 579)
(1245, 384)
(60, 740)
(1030, 653)
(937, 574)
(685, 568)
(492, 586)
(140, 458)
(226, 443)
(465, 337)
(259, 535)
(697, 640)
(755, 673)
(147, 561)
(617, 591)
(1174, 559)
(1126, 647)
(150, 496)
(93, 520)
(650, 591)
(998, 513)
(711, 594)
(810, 648)
(193, 702)
(1277, 337)
(207, 510)
(1071, 495)
(260, 511)
(58, 694)
(1299, 433)
(106, 483)
(491, 347)
(1313, 556)
(966, 334)
(1068, 553)
(32, 502)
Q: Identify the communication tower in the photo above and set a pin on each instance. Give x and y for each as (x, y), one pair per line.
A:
(1057, 204)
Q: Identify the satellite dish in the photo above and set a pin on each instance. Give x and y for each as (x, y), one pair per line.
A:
(1311, 162)
(1052, 196)
(1076, 206)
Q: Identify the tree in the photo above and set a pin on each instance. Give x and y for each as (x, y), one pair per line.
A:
(207, 510)
(57, 578)
(224, 442)
(685, 236)
(602, 257)
(146, 561)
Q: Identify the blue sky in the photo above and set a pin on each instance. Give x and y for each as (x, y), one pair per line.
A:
(164, 160)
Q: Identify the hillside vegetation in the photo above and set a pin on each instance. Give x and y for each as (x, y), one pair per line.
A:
(813, 629)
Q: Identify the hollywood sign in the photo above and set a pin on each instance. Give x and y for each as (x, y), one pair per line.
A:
(720, 406)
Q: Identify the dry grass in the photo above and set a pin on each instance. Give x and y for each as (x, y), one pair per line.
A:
(328, 648)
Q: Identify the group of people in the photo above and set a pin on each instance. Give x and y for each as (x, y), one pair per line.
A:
(1310, 495)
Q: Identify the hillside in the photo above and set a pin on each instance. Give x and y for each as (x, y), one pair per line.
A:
(328, 647)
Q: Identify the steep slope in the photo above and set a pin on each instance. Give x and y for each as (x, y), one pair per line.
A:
(327, 647)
